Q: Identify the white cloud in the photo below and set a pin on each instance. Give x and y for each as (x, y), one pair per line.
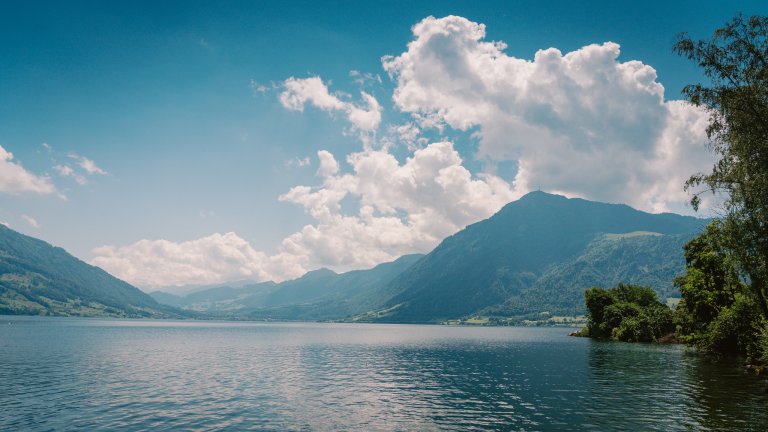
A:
(312, 90)
(403, 208)
(15, 180)
(296, 162)
(30, 221)
(90, 166)
(84, 167)
(328, 164)
(64, 170)
(408, 134)
(364, 79)
(213, 259)
(581, 123)
(67, 171)
(297, 92)
(262, 89)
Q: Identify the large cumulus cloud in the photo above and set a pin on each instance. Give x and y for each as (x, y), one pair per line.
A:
(402, 208)
(581, 123)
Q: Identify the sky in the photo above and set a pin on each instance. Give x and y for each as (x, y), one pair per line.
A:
(177, 143)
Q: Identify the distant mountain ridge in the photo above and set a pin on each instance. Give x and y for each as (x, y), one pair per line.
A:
(537, 254)
(318, 295)
(37, 278)
(504, 257)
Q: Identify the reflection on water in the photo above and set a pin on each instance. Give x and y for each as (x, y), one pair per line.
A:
(68, 374)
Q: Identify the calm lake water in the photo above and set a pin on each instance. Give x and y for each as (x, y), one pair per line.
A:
(94, 374)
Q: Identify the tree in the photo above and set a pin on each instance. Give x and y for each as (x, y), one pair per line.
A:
(627, 313)
(735, 60)
(717, 313)
(711, 281)
(642, 296)
(597, 300)
(735, 330)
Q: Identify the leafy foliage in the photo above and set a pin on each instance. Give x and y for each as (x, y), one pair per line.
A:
(725, 289)
(718, 313)
(711, 281)
(735, 59)
(627, 313)
(735, 330)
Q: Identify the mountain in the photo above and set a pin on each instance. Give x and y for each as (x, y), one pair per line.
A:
(185, 290)
(318, 295)
(224, 299)
(538, 254)
(325, 295)
(642, 258)
(39, 279)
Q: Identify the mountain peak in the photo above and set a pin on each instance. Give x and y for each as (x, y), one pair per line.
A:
(541, 195)
(499, 259)
(319, 273)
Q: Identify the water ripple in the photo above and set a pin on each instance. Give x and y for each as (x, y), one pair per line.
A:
(76, 374)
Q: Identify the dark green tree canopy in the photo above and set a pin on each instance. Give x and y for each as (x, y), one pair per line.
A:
(629, 313)
(735, 60)
(711, 281)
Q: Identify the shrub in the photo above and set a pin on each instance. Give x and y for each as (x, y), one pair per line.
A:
(628, 313)
(735, 330)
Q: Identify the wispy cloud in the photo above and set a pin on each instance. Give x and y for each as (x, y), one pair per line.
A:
(88, 165)
(67, 171)
(580, 123)
(296, 162)
(364, 79)
(260, 88)
(30, 221)
(15, 180)
(364, 117)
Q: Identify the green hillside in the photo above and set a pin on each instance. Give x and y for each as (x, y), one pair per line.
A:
(538, 254)
(647, 259)
(39, 279)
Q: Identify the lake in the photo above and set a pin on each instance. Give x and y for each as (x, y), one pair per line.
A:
(106, 374)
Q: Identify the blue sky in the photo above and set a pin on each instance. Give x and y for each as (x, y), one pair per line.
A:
(172, 121)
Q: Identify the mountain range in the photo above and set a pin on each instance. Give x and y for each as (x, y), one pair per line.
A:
(318, 295)
(37, 278)
(536, 255)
